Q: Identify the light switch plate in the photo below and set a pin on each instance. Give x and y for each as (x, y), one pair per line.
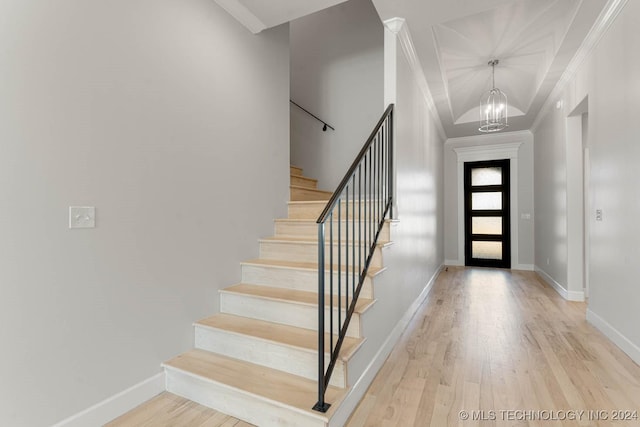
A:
(82, 216)
(598, 214)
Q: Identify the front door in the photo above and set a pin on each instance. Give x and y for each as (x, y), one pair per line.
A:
(486, 207)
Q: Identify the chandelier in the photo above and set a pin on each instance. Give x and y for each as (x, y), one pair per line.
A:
(493, 106)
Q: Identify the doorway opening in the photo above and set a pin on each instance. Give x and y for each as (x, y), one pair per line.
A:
(578, 202)
(487, 214)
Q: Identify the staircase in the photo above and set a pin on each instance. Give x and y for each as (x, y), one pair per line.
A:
(257, 359)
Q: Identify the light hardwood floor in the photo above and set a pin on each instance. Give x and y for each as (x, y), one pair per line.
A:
(493, 340)
(502, 342)
(169, 410)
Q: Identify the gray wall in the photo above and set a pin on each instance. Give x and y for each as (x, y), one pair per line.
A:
(609, 77)
(336, 73)
(551, 198)
(172, 120)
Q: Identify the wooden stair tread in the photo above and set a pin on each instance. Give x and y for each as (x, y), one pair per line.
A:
(289, 390)
(312, 241)
(314, 221)
(326, 195)
(298, 187)
(293, 296)
(373, 271)
(320, 204)
(305, 178)
(306, 202)
(275, 332)
(324, 202)
(312, 181)
(294, 170)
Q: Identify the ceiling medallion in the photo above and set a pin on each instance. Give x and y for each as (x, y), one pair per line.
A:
(493, 106)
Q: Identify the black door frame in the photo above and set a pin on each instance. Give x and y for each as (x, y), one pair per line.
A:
(505, 213)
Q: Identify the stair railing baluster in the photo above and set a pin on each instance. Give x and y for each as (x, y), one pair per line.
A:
(346, 250)
(360, 219)
(339, 267)
(371, 201)
(321, 405)
(331, 347)
(353, 235)
(379, 194)
(391, 165)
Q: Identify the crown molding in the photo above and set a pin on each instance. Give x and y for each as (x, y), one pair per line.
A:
(242, 15)
(609, 13)
(400, 28)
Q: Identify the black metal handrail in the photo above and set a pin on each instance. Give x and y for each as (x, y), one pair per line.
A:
(364, 198)
(326, 125)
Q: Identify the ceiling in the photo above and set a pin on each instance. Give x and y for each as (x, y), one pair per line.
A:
(534, 40)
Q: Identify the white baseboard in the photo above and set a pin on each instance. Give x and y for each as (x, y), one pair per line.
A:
(116, 405)
(564, 293)
(361, 386)
(458, 263)
(632, 350)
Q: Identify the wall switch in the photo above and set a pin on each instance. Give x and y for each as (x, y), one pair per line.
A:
(598, 214)
(82, 216)
(525, 216)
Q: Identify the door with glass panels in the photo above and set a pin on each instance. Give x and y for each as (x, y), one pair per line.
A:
(487, 236)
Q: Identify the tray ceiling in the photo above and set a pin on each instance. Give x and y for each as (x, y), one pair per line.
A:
(455, 39)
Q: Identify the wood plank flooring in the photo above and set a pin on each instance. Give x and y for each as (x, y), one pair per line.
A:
(169, 410)
(499, 344)
(507, 349)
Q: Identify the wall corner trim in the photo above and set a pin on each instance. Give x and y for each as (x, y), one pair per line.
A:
(118, 404)
(561, 290)
(609, 13)
(242, 15)
(361, 386)
(631, 349)
(400, 28)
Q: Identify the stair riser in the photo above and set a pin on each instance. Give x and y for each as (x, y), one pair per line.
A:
(302, 280)
(307, 194)
(283, 312)
(302, 181)
(301, 252)
(230, 401)
(295, 170)
(310, 229)
(313, 210)
(266, 353)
